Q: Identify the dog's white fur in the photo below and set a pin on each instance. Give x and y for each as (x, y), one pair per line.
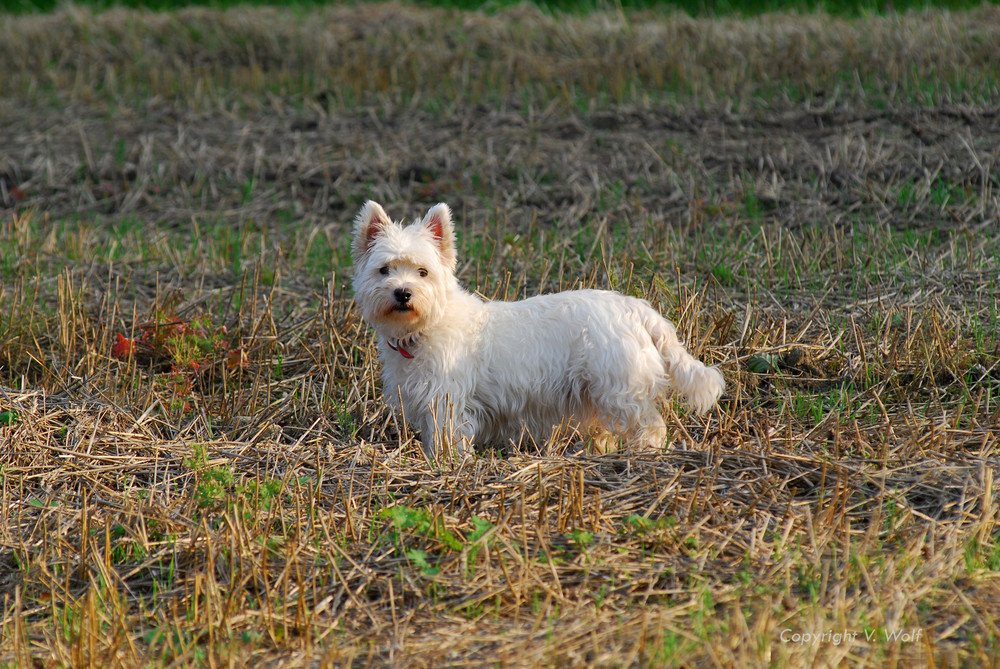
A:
(469, 371)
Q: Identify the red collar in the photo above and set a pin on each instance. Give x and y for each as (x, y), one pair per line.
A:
(399, 347)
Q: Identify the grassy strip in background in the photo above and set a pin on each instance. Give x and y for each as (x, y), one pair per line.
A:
(699, 8)
(390, 56)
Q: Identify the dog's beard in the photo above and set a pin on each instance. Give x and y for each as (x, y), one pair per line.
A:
(401, 313)
(392, 318)
(392, 308)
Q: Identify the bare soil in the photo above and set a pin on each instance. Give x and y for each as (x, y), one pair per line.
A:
(806, 166)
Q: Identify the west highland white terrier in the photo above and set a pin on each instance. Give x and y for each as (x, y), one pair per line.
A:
(467, 372)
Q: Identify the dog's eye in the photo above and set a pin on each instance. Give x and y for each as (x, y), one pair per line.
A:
(422, 272)
(384, 270)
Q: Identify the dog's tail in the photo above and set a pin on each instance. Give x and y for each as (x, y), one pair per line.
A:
(699, 385)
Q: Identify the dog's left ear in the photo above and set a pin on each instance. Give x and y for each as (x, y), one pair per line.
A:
(438, 223)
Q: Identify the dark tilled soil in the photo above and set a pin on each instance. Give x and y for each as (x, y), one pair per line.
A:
(908, 167)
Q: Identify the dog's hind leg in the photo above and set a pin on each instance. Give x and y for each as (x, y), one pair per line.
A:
(651, 432)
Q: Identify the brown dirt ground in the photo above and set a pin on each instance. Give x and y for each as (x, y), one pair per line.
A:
(166, 166)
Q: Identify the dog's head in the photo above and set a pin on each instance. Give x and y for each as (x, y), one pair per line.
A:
(402, 275)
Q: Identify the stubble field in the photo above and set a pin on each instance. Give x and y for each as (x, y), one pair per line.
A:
(196, 467)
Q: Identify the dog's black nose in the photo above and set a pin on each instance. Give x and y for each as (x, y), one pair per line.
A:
(402, 295)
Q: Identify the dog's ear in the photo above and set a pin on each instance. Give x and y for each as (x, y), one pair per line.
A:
(370, 222)
(438, 223)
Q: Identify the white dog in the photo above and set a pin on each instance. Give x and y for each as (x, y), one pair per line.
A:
(473, 372)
